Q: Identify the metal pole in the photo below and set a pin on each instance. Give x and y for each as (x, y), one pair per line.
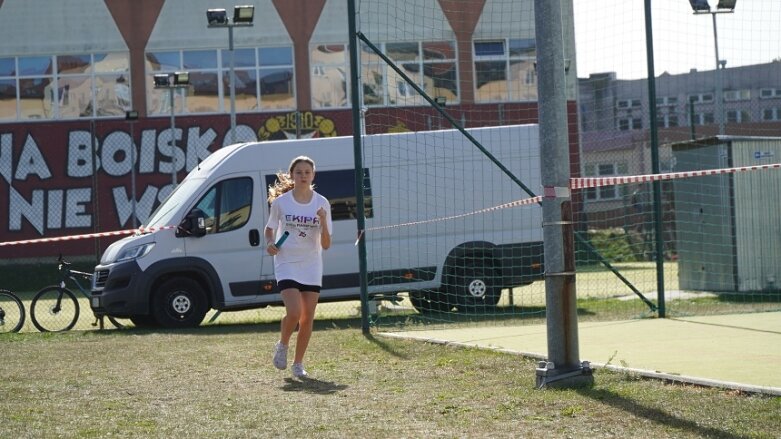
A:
(563, 367)
(358, 158)
(719, 88)
(232, 84)
(691, 118)
(173, 139)
(657, 185)
(133, 175)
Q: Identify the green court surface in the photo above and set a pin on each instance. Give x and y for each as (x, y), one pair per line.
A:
(734, 351)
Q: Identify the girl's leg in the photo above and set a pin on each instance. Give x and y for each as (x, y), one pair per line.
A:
(305, 321)
(293, 311)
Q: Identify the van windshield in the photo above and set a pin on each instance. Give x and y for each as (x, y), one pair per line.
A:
(164, 214)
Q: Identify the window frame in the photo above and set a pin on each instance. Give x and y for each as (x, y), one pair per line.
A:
(221, 69)
(507, 58)
(338, 187)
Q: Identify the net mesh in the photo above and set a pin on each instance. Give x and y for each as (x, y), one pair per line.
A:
(478, 65)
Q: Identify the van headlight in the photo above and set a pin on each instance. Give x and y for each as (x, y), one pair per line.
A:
(134, 252)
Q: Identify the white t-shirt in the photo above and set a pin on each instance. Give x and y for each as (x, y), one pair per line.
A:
(300, 256)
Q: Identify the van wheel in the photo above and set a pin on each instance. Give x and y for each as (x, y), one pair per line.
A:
(473, 287)
(428, 301)
(179, 303)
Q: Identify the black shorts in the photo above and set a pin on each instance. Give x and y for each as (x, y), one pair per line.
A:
(285, 284)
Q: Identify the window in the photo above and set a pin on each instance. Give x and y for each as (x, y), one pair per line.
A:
(609, 192)
(667, 120)
(505, 70)
(624, 104)
(630, 123)
(329, 76)
(704, 118)
(738, 116)
(431, 65)
(737, 95)
(339, 188)
(667, 101)
(771, 113)
(8, 89)
(227, 205)
(64, 86)
(770, 93)
(701, 98)
(263, 80)
(277, 82)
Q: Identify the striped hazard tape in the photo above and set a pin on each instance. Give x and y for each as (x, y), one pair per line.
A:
(589, 182)
(575, 183)
(86, 236)
(516, 203)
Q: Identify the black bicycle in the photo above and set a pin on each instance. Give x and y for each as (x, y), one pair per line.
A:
(11, 312)
(55, 308)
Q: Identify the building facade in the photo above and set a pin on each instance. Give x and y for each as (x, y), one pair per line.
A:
(70, 72)
(615, 123)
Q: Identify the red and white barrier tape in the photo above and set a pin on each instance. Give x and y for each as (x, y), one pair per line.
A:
(584, 183)
(86, 236)
(516, 203)
(575, 183)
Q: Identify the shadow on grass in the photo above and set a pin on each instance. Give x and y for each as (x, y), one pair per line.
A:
(385, 346)
(743, 328)
(750, 297)
(588, 309)
(422, 320)
(312, 385)
(653, 414)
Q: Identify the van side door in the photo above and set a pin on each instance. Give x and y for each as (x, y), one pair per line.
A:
(232, 245)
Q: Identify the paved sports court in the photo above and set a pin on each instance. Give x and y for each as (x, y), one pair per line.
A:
(733, 351)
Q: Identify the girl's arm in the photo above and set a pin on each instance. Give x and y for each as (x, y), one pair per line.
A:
(271, 249)
(269, 235)
(325, 233)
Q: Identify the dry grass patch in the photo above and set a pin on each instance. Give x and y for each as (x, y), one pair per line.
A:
(218, 382)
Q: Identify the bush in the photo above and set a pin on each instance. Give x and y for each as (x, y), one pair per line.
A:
(615, 245)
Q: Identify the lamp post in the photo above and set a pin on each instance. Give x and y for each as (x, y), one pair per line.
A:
(242, 17)
(722, 7)
(132, 116)
(171, 82)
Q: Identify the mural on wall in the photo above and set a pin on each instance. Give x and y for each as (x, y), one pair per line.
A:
(53, 184)
(302, 125)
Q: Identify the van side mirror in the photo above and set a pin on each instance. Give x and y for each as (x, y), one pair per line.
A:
(193, 224)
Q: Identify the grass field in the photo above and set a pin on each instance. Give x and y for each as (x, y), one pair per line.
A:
(217, 381)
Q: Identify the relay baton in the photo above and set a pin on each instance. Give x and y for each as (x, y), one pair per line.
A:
(282, 239)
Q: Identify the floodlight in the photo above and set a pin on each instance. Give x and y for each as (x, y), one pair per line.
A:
(243, 14)
(700, 5)
(217, 17)
(131, 115)
(726, 4)
(161, 80)
(181, 78)
(441, 100)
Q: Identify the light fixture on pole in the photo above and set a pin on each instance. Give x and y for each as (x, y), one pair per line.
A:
(722, 7)
(242, 17)
(171, 82)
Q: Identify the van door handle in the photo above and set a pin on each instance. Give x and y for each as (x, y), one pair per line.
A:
(254, 237)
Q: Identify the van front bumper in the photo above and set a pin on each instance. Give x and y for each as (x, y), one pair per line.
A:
(117, 290)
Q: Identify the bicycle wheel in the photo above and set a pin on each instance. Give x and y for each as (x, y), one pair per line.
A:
(118, 322)
(54, 309)
(11, 312)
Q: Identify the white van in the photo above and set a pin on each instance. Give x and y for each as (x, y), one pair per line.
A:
(214, 257)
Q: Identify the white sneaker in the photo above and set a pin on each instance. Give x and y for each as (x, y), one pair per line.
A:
(280, 356)
(298, 370)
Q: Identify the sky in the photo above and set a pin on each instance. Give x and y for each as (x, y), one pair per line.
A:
(610, 36)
